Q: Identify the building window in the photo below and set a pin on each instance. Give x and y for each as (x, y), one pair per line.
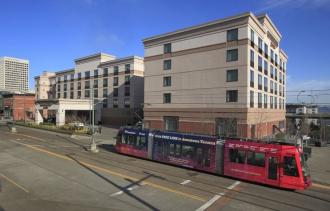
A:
(105, 72)
(259, 63)
(167, 81)
(71, 77)
(275, 88)
(96, 73)
(79, 94)
(271, 56)
(265, 84)
(265, 101)
(105, 82)
(259, 82)
(260, 45)
(71, 95)
(252, 37)
(252, 58)
(259, 100)
(280, 77)
(127, 68)
(87, 74)
(232, 75)
(58, 95)
(232, 55)
(266, 50)
(65, 78)
(115, 103)
(167, 64)
(79, 86)
(96, 84)
(79, 76)
(105, 103)
(115, 70)
(276, 62)
(127, 79)
(65, 87)
(232, 35)
(58, 88)
(251, 99)
(115, 81)
(167, 48)
(87, 93)
(226, 127)
(127, 103)
(251, 78)
(167, 98)
(127, 91)
(271, 71)
(275, 70)
(105, 92)
(87, 84)
(271, 102)
(271, 86)
(171, 123)
(115, 92)
(275, 102)
(232, 95)
(265, 67)
(71, 86)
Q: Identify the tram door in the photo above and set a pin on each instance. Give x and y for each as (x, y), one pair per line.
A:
(272, 170)
(203, 157)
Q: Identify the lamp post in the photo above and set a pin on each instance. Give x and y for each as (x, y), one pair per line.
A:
(93, 144)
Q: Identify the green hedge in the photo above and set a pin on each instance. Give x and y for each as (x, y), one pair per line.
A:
(51, 127)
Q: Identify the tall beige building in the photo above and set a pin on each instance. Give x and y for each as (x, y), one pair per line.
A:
(225, 77)
(115, 84)
(14, 74)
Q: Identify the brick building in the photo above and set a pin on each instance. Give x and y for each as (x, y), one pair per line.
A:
(19, 106)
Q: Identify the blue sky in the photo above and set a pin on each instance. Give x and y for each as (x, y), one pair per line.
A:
(52, 33)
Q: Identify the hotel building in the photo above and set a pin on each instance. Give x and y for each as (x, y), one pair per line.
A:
(116, 85)
(226, 77)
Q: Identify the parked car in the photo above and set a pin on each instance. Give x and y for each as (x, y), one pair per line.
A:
(76, 124)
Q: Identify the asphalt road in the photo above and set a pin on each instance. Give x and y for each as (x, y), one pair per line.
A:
(47, 171)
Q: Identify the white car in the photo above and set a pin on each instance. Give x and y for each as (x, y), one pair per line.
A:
(77, 124)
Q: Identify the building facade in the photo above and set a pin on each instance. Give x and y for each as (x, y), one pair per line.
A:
(14, 74)
(225, 77)
(19, 107)
(116, 85)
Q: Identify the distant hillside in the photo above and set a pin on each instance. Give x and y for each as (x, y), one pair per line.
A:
(324, 109)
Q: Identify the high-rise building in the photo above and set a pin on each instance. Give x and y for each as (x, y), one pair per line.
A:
(14, 74)
(225, 77)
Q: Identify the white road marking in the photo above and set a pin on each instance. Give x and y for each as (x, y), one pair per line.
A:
(121, 192)
(218, 196)
(185, 182)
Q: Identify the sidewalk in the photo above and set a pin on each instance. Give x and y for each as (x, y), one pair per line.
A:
(319, 164)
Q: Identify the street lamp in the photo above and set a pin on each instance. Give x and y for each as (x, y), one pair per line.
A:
(93, 144)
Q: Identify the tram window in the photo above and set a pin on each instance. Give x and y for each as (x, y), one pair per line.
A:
(199, 155)
(172, 148)
(207, 157)
(178, 150)
(131, 140)
(141, 142)
(256, 159)
(187, 151)
(237, 156)
(290, 167)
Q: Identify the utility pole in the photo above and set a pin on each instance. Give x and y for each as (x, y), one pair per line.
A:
(93, 145)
